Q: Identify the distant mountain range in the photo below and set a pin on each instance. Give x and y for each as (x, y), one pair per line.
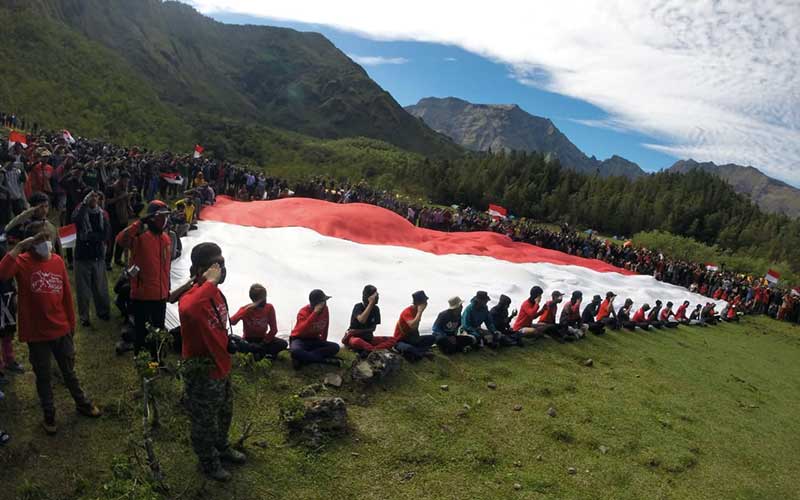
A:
(484, 127)
(481, 127)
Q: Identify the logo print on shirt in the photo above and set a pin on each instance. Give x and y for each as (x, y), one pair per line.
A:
(44, 282)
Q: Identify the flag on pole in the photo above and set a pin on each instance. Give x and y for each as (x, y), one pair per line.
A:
(67, 235)
(796, 292)
(172, 178)
(68, 137)
(772, 276)
(198, 151)
(497, 211)
(711, 267)
(17, 138)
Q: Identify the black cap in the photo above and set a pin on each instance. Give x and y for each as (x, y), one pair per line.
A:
(156, 207)
(317, 297)
(628, 302)
(556, 294)
(504, 299)
(419, 297)
(597, 298)
(646, 307)
(610, 294)
(482, 296)
(577, 294)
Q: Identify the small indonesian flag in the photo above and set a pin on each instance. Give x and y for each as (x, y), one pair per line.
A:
(17, 138)
(68, 137)
(772, 276)
(796, 292)
(67, 236)
(198, 151)
(497, 211)
(172, 178)
(711, 267)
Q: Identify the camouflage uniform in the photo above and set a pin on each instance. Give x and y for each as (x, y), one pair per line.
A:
(211, 411)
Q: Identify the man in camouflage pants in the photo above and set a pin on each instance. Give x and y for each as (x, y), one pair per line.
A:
(204, 328)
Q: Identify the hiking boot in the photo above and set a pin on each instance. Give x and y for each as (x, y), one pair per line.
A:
(89, 410)
(217, 473)
(15, 367)
(232, 456)
(49, 425)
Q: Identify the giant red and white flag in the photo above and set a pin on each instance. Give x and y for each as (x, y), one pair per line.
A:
(294, 245)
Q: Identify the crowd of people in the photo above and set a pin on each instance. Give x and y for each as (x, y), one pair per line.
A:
(113, 196)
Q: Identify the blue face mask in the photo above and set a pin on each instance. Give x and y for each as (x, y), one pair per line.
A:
(44, 248)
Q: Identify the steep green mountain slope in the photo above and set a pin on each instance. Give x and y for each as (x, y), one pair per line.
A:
(204, 70)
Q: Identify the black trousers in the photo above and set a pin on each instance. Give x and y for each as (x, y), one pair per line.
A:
(144, 312)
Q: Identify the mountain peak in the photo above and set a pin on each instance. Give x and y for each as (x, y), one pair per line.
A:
(483, 127)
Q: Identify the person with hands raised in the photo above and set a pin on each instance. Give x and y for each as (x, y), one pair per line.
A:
(203, 312)
(309, 339)
(46, 318)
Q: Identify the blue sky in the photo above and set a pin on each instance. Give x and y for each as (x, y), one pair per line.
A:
(427, 69)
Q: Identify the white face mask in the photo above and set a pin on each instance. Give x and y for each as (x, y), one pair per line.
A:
(43, 248)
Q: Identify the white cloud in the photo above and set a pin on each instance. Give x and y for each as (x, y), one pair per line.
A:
(712, 79)
(377, 60)
(450, 59)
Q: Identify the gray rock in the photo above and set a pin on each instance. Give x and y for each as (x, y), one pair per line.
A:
(317, 419)
(332, 380)
(589, 362)
(517, 486)
(517, 464)
(539, 458)
(603, 449)
(377, 366)
(572, 470)
(444, 387)
(491, 385)
(552, 412)
(517, 408)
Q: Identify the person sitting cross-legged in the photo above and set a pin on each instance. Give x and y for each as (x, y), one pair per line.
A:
(588, 316)
(529, 311)
(366, 316)
(476, 315)
(309, 338)
(502, 322)
(606, 313)
(410, 344)
(446, 329)
(667, 317)
(259, 325)
(640, 318)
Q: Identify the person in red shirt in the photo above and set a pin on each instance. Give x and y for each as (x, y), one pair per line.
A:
(410, 344)
(680, 314)
(640, 317)
(607, 315)
(46, 318)
(309, 338)
(203, 313)
(259, 325)
(151, 255)
(547, 317)
(667, 317)
(529, 311)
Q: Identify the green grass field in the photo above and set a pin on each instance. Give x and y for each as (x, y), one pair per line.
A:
(687, 413)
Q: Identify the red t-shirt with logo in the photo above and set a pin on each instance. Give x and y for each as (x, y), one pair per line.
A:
(204, 327)
(258, 323)
(45, 309)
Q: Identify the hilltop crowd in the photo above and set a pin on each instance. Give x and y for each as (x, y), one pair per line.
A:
(114, 196)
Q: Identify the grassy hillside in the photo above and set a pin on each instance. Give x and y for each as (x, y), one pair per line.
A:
(680, 414)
